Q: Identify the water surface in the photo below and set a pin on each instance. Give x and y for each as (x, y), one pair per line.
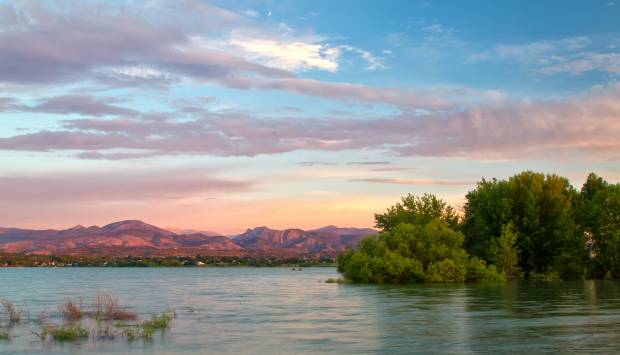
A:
(279, 311)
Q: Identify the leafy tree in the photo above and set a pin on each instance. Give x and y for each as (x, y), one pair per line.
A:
(540, 208)
(503, 252)
(430, 252)
(417, 210)
(598, 217)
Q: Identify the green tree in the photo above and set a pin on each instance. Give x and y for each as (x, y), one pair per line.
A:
(598, 217)
(431, 252)
(417, 210)
(540, 208)
(504, 253)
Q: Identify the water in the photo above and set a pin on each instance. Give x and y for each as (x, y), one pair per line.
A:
(278, 311)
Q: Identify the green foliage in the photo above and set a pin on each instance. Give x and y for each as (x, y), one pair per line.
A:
(598, 218)
(478, 270)
(5, 335)
(540, 209)
(427, 252)
(504, 253)
(417, 210)
(67, 332)
(159, 322)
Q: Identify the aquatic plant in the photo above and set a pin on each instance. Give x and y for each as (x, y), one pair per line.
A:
(12, 312)
(159, 322)
(5, 335)
(106, 308)
(146, 329)
(72, 311)
(66, 332)
(332, 280)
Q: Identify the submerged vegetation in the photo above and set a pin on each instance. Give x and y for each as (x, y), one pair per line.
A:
(531, 226)
(104, 319)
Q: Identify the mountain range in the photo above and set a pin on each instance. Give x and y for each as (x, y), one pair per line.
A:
(133, 237)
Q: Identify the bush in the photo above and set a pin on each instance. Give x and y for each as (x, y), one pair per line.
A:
(432, 252)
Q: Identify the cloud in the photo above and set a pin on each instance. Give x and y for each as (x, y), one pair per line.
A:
(80, 104)
(430, 98)
(585, 62)
(368, 163)
(291, 55)
(536, 52)
(568, 55)
(251, 13)
(43, 46)
(579, 126)
(399, 181)
(116, 186)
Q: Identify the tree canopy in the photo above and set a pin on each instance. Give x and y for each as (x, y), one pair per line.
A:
(529, 225)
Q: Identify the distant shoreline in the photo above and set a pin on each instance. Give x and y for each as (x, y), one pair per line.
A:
(68, 261)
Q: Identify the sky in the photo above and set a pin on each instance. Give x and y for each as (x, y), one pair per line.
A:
(225, 115)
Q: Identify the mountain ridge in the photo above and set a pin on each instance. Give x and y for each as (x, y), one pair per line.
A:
(135, 237)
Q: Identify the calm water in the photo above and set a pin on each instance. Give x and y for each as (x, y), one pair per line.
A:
(275, 310)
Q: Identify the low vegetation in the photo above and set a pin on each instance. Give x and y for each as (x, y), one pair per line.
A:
(71, 332)
(14, 316)
(105, 320)
(72, 311)
(106, 308)
(531, 226)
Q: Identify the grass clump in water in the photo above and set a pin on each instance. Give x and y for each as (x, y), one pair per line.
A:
(12, 312)
(332, 280)
(159, 322)
(146, 329)
(72, 311)
(66, 332)
(5, 335)
(106, 308)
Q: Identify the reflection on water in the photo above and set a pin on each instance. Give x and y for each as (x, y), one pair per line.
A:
(274, 310)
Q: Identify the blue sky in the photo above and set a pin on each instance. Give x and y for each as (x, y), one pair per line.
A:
(224, 115)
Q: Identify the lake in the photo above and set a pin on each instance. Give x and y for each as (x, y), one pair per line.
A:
(279, 311)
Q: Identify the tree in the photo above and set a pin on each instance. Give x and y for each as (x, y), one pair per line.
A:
(417, 210)
(430, 252)
(540, 209)
(504, 253)
(598, 218)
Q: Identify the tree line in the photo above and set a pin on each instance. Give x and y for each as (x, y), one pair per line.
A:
(531, 225)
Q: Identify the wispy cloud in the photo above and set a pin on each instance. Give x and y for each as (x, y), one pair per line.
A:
(584, 125)
(399, 181)
(39, 46)
(573, 55)
(585, 62)
(80, 104)
(116, 186)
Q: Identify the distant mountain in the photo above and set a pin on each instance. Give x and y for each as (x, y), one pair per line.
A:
(138, 238)
(330, 240)
(193, 231)
(346, 231)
